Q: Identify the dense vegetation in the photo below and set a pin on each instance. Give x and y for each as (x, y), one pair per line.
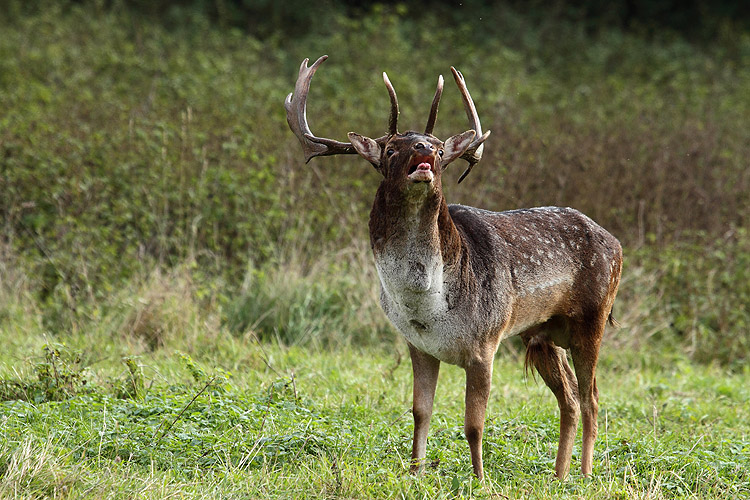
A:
(152, 199)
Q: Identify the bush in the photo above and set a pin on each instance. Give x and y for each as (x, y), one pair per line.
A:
(60, 375)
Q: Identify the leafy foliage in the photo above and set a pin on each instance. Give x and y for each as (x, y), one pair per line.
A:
(134, 143)
(60, 375)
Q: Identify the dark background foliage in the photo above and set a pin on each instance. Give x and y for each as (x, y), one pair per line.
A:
(142, 135)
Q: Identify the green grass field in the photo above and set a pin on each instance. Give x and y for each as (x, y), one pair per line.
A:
(189, 311)
(276, 422)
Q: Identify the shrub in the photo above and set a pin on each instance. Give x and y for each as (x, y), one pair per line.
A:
(692, 295)
(132, 145)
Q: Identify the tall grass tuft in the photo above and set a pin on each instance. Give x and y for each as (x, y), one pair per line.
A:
(332, 301)
(33, 469)
(165, 309)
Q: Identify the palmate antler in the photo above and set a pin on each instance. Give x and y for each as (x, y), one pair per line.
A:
(312, 146)
(296, 116)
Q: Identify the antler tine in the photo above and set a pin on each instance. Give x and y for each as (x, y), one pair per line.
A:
(296, 115)
(474, 152)
(434, 108)
(393, 121)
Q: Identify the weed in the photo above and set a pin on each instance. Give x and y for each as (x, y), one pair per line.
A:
(132, 384)
(60, 375)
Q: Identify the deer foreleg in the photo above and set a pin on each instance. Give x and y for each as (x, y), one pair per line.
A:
(478, 382)
(426, 370)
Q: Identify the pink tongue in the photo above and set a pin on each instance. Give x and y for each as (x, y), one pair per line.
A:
(424, 166)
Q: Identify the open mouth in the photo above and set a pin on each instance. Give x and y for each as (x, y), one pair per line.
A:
(421, 169)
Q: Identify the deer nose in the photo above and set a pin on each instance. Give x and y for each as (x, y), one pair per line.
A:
(423, 147)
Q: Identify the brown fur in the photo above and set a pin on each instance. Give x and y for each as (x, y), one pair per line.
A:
(538, 353)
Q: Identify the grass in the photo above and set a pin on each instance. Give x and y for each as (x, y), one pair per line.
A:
(265, 421)
(207, 410)
(158, 392)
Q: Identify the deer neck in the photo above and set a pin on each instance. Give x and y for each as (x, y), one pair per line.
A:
(413, 235)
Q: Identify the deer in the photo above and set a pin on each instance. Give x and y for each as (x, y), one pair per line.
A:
(456, 281)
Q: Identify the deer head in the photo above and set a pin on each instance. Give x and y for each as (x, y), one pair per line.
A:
(409, 160)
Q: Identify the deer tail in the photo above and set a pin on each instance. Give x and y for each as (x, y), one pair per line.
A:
(539, 353)
(611, 319)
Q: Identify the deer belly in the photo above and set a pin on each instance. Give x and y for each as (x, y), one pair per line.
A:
(414, 298)
(426, 323)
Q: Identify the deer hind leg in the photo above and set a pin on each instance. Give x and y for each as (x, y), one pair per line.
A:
(552, 364)
(425, 368)
(584, 349)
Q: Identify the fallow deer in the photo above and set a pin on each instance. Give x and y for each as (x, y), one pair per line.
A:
(457, 280)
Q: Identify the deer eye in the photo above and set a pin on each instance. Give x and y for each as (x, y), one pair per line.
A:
(390, 151)
(440, 152)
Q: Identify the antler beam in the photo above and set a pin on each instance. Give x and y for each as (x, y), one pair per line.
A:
(393, 120)
(474, 152)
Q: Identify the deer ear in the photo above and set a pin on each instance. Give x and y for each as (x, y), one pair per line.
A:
(455, 146)
(366, 147)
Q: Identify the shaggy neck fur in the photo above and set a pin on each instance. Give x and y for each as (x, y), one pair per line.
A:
(421, 222)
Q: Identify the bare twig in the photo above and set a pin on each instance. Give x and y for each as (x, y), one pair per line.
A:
(164, 433)
(399, 417)
(264, 356)
(396, 365)
(268, 410)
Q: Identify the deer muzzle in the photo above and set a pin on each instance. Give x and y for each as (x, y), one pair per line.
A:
(421, 169)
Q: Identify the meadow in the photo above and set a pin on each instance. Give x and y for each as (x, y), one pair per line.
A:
(187, 310)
